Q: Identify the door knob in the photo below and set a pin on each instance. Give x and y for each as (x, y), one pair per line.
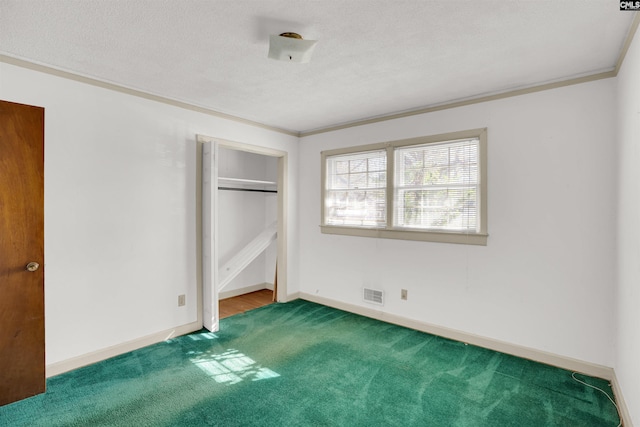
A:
(33, 266)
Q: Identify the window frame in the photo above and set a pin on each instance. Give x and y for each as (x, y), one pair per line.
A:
(403, 233)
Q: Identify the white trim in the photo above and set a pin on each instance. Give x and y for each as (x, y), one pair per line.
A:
(408, 234)
(527, 353)
(199, 240)
(623, 410)
(77, 77)
(564, 362)
(292, 297)
(283, 201)
(32, 65)
(282, 263)
(463, 102)
(118, 349)
(209, 202)
(246, 290)
(242, 146)
(627, 42)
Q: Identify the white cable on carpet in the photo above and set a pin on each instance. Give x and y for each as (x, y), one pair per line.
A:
(573, 375)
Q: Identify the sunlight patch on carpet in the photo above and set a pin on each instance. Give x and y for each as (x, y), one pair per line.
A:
(203, 336)
(232, 367)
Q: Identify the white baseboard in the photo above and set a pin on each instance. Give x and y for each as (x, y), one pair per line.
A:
(501, 346)
(291, 297)
(241, 291)
(568, 363)
(118, 349)
(623, 410)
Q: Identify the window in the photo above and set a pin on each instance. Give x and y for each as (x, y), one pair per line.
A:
(430, 188)
(356, 189)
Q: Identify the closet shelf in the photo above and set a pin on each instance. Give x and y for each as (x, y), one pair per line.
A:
(245, 181)
(240, 184)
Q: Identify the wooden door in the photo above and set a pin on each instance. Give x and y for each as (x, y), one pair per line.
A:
(22, 363)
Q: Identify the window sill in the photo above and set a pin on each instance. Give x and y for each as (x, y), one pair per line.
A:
(416, 235)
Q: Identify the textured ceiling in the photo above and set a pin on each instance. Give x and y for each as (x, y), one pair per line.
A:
(373, 58)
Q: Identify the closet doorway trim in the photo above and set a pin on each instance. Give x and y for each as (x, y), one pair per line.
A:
(208, 211)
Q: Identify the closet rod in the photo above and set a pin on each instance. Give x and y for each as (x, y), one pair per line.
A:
(247, 189)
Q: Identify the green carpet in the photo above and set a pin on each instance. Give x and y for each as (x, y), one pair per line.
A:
(304, 364)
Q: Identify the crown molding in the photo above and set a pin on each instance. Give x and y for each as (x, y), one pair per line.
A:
(463, 102)
(138, 93)
(627, 42)
(300, 134)
(491, 97)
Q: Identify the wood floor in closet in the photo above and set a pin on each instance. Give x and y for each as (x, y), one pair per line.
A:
(240, 304)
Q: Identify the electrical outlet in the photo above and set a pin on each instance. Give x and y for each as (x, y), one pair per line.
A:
(181, 299)
(403, 294)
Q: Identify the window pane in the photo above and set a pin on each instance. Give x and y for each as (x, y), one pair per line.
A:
(443, 209)
(377, 163)
(359, 208)
(358, 180)
(356, 189)
(340, 181)
(377, 179)
(342, 166)
(358, 165)
(437, 186)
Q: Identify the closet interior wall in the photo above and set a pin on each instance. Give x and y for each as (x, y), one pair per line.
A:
(243, 215)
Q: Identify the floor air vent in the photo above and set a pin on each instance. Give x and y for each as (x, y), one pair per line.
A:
(373, 296)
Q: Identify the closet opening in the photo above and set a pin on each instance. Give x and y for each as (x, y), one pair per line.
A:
(248, 229)
(244, 200)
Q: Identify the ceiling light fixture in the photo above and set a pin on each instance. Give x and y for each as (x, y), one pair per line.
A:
(291, 47)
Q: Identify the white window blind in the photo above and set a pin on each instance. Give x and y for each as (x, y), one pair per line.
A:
(356, 189)
(437, 186)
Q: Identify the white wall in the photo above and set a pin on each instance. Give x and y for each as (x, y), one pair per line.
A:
(628, 209)
(120, 198)
(545, 280)
(244, 215)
